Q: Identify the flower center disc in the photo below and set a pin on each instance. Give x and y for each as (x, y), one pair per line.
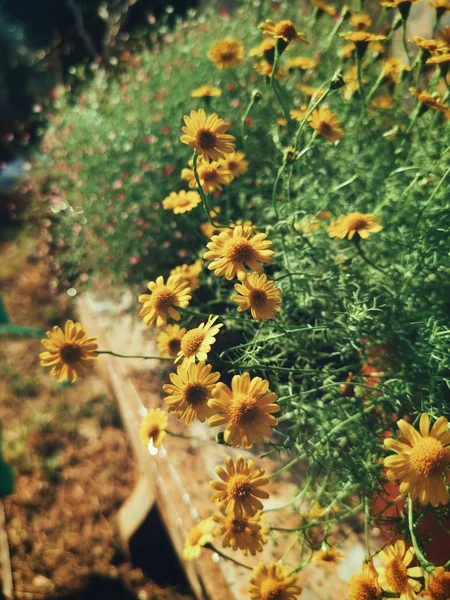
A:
(366, 590)
(70, 353)
(153, 432)
(206, 139)
(238, 526)
(397, 576)
(439, 587)
(243, 410)
(209, 175)
(428, 457)
(271, 590)
(227, 56)
(191, 342)
(287, 30)
(240, 252)
(240, 487)
(258, 298)
(196, 393)
(164, 299)
(174, 346)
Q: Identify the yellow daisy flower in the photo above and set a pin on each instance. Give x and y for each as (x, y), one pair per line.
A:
(298, 114)
(439, 59)
(245, 534)
(240, 491)
(283, 30)
(326, 123)
(164, 297)
(364, 586)
(226, 53)
(169, 341)
(265, 48)
(69, 353)
(233, 250)
(206, 91)
(273, 581)
(396, 3)
(430, 101)
(206, 135)
(440, 5)
(354, 225)
(199, 536)
(439, 585)
(395, 576)
(153, 427)
(360, 21)
(259, 295)
(265, 68)
(300, 62)
(197, 342)
(422, 461)
(393, 68)
(426, 44)
(246, 409)
(212, 175)
(362, 39)
(327, 556)
(190, 273)
(190, 390)
(323, 7)
(181, 202)
(235, 164)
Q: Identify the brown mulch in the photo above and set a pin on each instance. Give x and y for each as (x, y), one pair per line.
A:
(70, 455)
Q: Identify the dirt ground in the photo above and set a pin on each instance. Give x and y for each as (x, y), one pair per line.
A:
(71, 459)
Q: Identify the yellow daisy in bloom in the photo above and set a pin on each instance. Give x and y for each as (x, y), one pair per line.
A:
(384, 101)
(235, 164)
(396, 576)
(364, 586)
(245, 534)
(190, 390)
(212, 176)
(246, 409)
(283, 30)
(164, 297)
(197, 342)
(439, 585)
(354, 225)
(326, 123)
(181, 202)
(206, 91)
(273, 581)
(169, 341)
(153, 427)
(426, 44)
(300, 62)
(259, 295)
(226, 53)
(360, 21)
(298, 114)
(430, 101)
(324, 7)
(327, 556)
(422, 462)
(206, 135)
(190, 273)
(240, 491)
(199, 536)
(69, 353)
(233, 250)
(265, 48)
(362, 39)
(393, 68)
(265, 68)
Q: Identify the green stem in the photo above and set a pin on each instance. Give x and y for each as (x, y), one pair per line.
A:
(184, 437)
(367, 526)
(133, 355)
(365, 259)
(226, 557)
(273, 82)
(427, 566)
(202, 194)
(360, 82)
(293, 462)
(244, 118)
(404, 41)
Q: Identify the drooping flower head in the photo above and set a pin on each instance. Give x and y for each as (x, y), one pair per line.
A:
(153, 427)
(422, 462)
(354, 225)
(283, 31)
(190, 273)
(246, 409)
(246, 534)
(396, 575)
(232, 251)
(197, 342)
(69, 353)
(206, 91)
(160, 304)
(259, 295)
(364, 585)
(206, 135)
(428, 100)
(240, 492)
(199, 536)
(362, 39)
(326, 123)
(181, 202)
(169, 341)
(190, 390)
(403, 6)
(266, 49)
(273, 582)
(226, 53)
(323, 8)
